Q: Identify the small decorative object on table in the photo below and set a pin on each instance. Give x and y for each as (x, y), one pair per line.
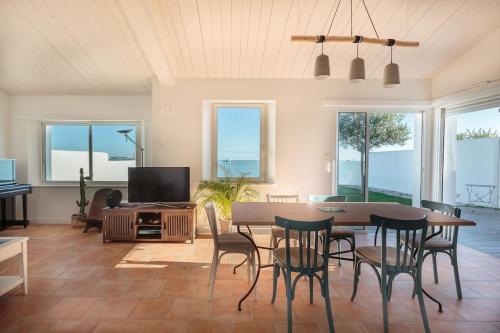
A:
(76, 219)
(223, 192)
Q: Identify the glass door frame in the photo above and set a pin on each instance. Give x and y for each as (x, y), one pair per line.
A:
(368, 110)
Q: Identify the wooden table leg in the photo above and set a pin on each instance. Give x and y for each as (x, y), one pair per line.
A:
(23, 265)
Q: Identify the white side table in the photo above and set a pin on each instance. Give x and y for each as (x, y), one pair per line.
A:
(11, 247)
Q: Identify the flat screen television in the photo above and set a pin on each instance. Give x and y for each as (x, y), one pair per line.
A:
(158, 184)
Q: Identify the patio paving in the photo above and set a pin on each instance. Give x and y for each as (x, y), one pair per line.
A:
(485, 237)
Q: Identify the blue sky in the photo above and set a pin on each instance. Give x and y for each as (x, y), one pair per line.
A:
(238, 133)
(484, 119)
(104, 137)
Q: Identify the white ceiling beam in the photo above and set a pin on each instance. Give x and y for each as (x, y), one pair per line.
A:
(140, 22)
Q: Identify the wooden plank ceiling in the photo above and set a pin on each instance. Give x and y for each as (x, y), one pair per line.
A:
(106, 47)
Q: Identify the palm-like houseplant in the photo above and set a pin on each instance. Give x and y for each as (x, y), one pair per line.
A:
(223, 192)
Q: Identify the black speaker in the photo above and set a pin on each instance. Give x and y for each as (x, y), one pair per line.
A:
(114, 198)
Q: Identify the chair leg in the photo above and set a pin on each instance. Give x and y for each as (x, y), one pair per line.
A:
(357, 271)
(276, 272)
(339, 249)
(457, 276)
(213, 273)
(326, 293)
(421, 303)
(288, 285)
(384, 302)
(434, 267)
(272, 246)
(311, 290)
(249, 268)
(254, 273)
(353, 248)
(389, 287)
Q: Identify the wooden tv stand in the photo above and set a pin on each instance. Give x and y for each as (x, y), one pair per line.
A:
(149, 223)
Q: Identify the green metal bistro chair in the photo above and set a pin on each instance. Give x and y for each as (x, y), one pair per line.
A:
(338, 235)
(443, 240)
(277, 233)
(307, 260)
(228, 242)
(392, 261)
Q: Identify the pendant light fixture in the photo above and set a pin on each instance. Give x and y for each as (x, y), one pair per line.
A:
(357, 69)
(391, 72)
(322, 65)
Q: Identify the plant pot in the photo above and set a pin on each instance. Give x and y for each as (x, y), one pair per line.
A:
(76, 221)
(225, 225)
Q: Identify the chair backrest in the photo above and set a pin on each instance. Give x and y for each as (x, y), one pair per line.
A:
(212, 221)
(99, 201)
(407, 232)
(282, 197)
(448, 232)
(327, 198)
(310, 247)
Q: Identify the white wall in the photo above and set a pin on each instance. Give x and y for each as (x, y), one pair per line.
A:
(56, 204)
(305, 130)
(474, 161)
(481, 63)
(4, 128)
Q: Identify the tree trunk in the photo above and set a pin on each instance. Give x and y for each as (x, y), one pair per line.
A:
(363, 175)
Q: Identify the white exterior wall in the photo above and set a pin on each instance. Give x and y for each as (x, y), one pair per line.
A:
(477, 162)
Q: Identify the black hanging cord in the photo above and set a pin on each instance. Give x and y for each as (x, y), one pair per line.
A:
(369, 16)
(351, 17)
(333, 19)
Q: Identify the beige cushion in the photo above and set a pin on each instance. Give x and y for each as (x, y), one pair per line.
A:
(233, 241)
(433, 243)
(374, 253)
(280, 255)
(279, 232)
(338, 233)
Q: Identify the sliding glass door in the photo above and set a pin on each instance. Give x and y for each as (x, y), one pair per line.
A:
(471, 163)
(379, 156)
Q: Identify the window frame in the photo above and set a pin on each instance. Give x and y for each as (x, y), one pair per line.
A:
(43, 174)
(263, 138)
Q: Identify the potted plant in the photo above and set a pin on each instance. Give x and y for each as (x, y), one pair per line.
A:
(75, 218)
(223, 192)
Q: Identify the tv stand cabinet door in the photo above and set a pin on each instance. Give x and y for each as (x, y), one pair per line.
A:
(119, 226)
(177, 224)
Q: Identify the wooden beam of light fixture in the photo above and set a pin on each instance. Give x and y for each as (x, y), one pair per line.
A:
(354, 39)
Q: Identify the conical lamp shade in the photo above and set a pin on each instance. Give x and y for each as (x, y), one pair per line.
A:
(391, 75)
(357, 70)
(322, 67)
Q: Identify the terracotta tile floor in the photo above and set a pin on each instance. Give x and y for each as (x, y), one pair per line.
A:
(79, 284)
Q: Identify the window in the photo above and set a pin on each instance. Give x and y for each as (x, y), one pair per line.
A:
(104, 153)
(379, 156)
(239, 141)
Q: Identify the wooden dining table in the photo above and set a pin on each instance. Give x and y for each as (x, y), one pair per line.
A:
(348, 214)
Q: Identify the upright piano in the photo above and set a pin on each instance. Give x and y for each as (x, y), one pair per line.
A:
(9, 189)
(8, 193)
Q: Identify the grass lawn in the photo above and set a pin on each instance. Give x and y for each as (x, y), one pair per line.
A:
(355, 196)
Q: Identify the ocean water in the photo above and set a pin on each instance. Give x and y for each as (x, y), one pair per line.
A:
(251, 168)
